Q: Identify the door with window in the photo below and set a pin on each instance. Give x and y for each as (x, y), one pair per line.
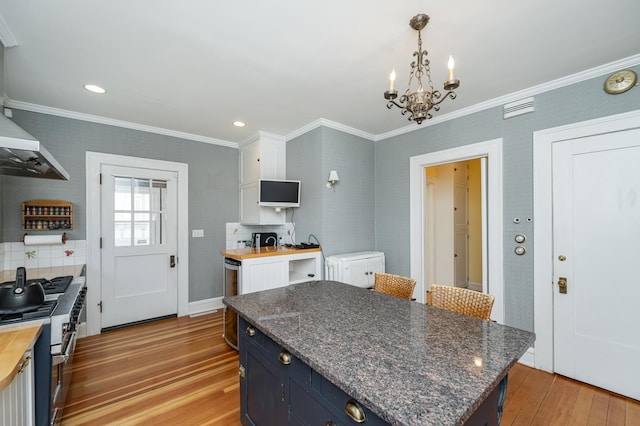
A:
(139, 244)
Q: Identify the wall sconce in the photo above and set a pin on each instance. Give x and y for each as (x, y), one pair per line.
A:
(333, 178)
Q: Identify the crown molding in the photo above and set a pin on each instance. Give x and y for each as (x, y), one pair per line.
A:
(323, 122)
(6, 36)
(261, 134)
(117, 123)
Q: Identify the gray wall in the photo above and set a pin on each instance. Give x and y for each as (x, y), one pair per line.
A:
(578, 102)
(341, 218)
(213, 185)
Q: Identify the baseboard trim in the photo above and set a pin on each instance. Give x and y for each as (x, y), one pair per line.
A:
(474, 286)
(206, 306)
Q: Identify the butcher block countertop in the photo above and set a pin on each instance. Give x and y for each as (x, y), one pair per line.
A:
(48, 273)
(409, 363)
(249, 253)
(14, 341)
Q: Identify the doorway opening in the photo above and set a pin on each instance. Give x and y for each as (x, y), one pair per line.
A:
(421, 188)
(453, 224)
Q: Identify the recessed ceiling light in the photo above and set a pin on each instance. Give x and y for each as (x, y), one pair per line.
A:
(239, 124)
(95, 89)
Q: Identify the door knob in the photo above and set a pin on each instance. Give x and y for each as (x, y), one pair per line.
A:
(172, 261)
(562, 285)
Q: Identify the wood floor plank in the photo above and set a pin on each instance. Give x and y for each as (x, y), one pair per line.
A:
(632, 412)
(557, 405)
(582, 407)
(181, 372)
(617, 411)
(532, 392)
(515, 399)
(599, 408)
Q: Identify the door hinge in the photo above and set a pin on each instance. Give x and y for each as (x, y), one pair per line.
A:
(100, 304)
(100, 242)
(100, 175)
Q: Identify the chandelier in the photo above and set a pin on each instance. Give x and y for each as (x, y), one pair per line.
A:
(419, 103)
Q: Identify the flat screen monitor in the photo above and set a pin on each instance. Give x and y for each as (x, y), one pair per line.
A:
(279, 193)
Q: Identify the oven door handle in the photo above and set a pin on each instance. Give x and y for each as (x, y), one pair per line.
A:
(64, 357)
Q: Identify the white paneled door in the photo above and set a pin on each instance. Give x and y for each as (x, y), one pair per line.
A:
(139, 244)
(596, 226)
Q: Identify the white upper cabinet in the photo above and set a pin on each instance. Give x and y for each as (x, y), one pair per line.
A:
(264, 156)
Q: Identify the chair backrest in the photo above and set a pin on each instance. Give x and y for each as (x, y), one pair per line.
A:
(394, 285)
(462, 300)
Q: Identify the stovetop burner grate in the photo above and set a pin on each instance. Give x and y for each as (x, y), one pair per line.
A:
(45, 310)
(53, 286)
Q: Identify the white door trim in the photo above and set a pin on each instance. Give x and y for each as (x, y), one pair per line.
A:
(94, 160)
(543, 213)
(495, 259)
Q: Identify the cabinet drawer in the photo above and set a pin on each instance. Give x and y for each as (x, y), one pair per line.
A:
(306, 409)
(339, 400)
(271, 351)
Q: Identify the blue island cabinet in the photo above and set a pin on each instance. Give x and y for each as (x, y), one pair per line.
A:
(276, 388)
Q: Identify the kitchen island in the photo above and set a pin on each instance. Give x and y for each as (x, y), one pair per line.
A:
(404, 362)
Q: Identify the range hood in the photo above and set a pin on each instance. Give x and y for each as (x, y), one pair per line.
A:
(23, 155)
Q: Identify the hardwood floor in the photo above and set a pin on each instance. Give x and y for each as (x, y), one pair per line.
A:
(171, 372)
(181, 372)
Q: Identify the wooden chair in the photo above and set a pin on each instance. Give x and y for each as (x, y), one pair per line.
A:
(394, 285)
(461, 300)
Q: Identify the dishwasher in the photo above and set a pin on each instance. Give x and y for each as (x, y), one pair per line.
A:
(232, 287)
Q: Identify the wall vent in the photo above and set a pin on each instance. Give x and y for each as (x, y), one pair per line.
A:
(520, 107)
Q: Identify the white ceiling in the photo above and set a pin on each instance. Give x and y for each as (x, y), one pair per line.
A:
(194, 66)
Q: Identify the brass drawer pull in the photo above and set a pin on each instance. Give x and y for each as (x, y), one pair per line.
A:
(354, 411)
(251, 331)
(285, 358)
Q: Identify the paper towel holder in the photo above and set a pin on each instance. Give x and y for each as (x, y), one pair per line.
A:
(64, 237)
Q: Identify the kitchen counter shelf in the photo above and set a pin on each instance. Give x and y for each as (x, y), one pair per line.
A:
(14, 342)
(250, 253)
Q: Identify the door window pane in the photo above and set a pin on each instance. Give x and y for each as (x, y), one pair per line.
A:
(139, 211)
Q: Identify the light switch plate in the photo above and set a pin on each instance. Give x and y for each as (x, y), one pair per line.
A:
(197, 233)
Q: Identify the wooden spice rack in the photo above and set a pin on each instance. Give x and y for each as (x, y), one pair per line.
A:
(46, 215)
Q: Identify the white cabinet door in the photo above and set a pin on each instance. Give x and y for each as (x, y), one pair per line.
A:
(263, 157)
(375, 264)
(250, 163)
(362, 272)
(357, 273)
(17, 399)
(264, 274)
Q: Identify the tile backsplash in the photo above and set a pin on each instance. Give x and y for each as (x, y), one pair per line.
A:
(13, 255)
(237, 234)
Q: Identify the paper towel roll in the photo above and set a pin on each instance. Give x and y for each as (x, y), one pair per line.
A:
(33, 240)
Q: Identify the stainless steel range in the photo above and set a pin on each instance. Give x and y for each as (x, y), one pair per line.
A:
(60, 314)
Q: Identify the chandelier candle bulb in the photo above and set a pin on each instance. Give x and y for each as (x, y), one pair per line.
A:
(450, 65)
(392, 78)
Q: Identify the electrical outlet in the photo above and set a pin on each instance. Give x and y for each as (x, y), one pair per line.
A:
(197, 233)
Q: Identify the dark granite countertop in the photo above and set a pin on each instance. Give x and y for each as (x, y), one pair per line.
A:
(409, 363)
